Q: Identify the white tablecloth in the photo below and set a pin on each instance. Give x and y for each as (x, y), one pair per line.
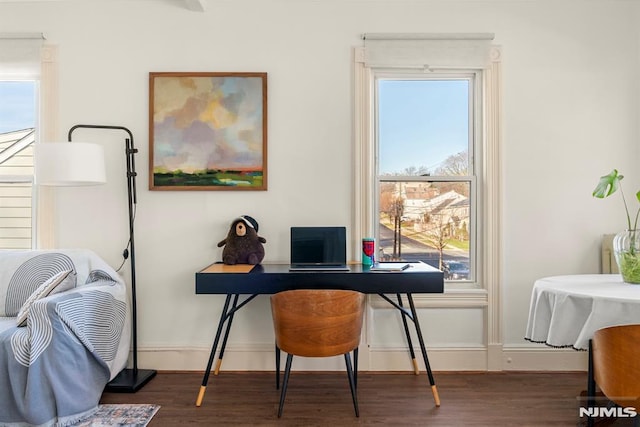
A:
(565, 311)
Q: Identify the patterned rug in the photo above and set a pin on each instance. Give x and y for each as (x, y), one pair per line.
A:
(120, 416)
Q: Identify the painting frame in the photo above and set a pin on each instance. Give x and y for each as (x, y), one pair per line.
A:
(208, 131)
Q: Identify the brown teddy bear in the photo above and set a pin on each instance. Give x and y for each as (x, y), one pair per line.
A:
(243, 245)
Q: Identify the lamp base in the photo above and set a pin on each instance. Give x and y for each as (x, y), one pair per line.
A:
(130, 380)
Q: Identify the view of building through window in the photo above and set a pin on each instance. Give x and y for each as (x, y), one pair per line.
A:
(425, 173)
(18, 106)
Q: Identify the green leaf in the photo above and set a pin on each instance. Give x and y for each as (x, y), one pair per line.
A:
(608, 185)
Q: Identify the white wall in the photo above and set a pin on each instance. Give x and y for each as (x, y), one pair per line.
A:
(570, 115)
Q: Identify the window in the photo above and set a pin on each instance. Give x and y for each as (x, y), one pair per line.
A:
(21, 66)
(427, 198)
(427, 161)
(18, 108)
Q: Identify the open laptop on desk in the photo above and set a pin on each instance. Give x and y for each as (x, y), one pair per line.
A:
(318, 249)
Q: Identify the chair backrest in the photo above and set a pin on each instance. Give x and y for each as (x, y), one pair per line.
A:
(317, 323)
(616, 363)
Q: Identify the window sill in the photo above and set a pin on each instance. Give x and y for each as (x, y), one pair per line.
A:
(451, 298)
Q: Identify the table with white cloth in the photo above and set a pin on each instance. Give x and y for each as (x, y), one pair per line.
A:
(565, 311)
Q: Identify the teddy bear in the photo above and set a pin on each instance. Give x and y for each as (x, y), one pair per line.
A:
(242, 244)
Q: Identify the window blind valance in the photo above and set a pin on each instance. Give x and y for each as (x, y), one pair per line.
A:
(20, 55)
(427, 51)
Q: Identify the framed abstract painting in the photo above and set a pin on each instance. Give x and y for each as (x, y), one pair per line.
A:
(207, 131)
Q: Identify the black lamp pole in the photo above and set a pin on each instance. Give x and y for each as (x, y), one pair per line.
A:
(128, 380)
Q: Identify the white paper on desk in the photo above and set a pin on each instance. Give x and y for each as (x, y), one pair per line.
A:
(389, 266)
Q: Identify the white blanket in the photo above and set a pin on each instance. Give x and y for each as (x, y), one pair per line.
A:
(53, 371)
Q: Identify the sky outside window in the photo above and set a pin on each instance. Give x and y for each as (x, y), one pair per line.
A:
(421, 123)
(17, 105)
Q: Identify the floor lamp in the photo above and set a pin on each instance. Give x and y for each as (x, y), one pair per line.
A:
(73, 164)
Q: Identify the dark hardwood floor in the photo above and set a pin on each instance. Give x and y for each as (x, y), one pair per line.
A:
(402, 399)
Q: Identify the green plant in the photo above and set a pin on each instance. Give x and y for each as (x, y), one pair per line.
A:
(629, 265)
(627, 254)
(608, 185)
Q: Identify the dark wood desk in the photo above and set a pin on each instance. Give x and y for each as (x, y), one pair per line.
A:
(237, 280)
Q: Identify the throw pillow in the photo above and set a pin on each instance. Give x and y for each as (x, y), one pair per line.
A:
(59, 282)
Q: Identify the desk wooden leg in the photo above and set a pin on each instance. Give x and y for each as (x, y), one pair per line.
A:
(226, 335)
(436, 396)
(216, 370)
(434, 390)
(205, 379)
(416, 369)
(203, 388)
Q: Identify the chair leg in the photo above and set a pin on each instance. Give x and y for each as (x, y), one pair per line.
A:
(591, 386)
(277, 367)
(285, 381)
(355, 367)
(347, 359)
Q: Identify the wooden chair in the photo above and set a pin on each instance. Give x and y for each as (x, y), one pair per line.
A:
(317, 323)
(614, 366)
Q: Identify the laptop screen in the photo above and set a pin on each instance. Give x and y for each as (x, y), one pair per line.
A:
(318, 245)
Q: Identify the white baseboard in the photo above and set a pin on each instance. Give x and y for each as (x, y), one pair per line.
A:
(261, 358)
(494, 357)
(440, 359)
(529, 358)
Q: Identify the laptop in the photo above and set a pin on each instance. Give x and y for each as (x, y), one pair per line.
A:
(318, 248)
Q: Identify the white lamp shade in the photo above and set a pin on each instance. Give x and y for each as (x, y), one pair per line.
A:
(69, 164)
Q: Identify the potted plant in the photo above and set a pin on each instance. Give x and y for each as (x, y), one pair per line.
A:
(626, 244)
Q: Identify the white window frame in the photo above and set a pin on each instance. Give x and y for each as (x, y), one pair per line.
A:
(43, 227)
(489, 185)
(47, 131)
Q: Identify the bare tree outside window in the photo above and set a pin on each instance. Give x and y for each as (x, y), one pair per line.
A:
(425, 206)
